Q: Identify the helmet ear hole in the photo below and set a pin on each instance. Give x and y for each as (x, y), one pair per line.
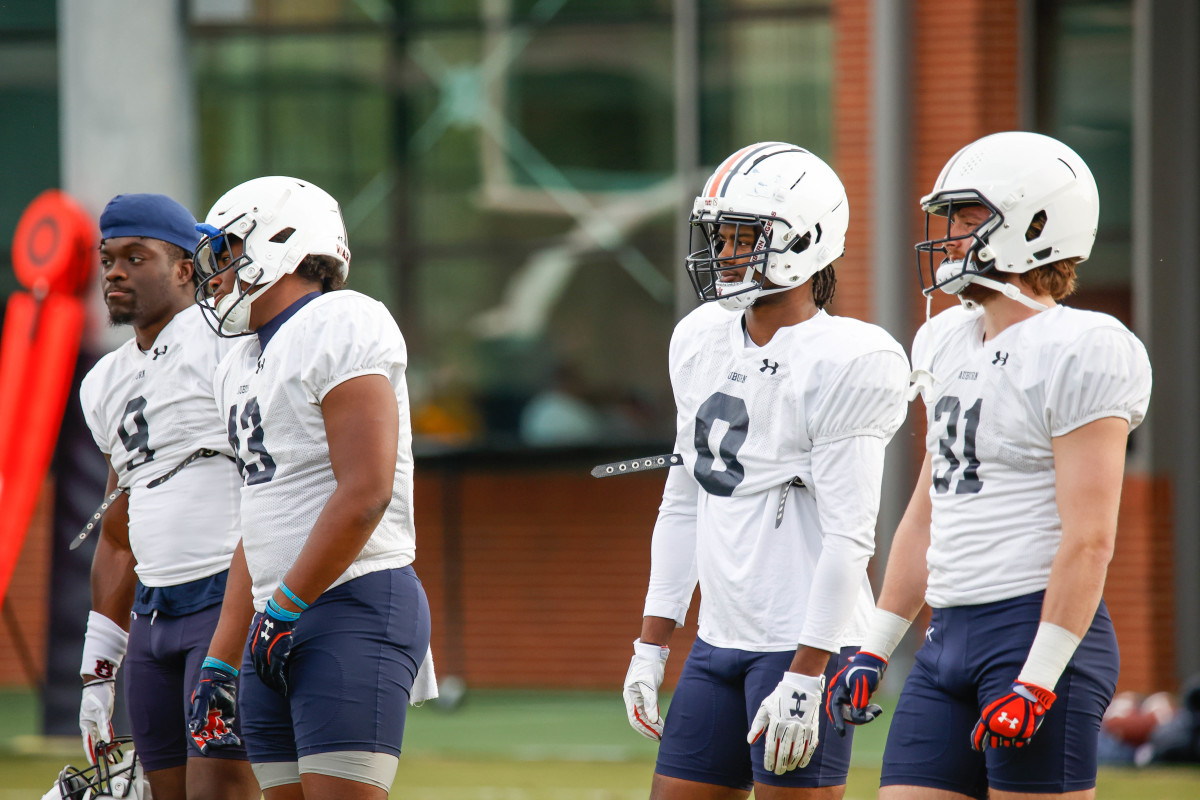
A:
(1036, 226)
(802, 242)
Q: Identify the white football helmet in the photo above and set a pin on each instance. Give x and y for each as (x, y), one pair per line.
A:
(122, 779)
(795, 205)
(279, 221)
(1022, 179)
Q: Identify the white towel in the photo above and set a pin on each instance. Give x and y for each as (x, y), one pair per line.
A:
(425, 684)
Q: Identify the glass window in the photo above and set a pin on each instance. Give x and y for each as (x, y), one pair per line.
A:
(506, 168)
(29, 97)
(1085, 98)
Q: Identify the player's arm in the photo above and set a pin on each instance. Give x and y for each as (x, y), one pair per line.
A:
(362, 425)
(1089, 465)
(113, 583)
(214, 698)
(237, 609)
(113, 578)
(672, 582)
(902, 597)
(907, 574)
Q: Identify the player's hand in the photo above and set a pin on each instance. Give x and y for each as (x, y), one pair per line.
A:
(214, 707)
(272, 643)
(851, 690)
(95, 717)
(789, 716)
(1012, 720)
(642, 680)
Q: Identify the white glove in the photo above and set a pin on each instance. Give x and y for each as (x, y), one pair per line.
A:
(642, 680)
(95, 715)
(789, 716)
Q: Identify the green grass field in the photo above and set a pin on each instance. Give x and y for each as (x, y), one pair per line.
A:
(522, 746)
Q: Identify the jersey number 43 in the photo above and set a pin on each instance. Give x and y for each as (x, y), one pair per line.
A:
(259, 467)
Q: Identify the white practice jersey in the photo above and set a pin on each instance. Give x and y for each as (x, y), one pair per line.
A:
(148, 412)
(992, 410)
(818, 402)
(271, 402)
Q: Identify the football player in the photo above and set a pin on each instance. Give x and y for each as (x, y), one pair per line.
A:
(783, 414)
(162, 559)
(316, 405)
(1011, 526)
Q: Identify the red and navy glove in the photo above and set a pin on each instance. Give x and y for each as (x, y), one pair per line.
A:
(214, 707)
(1012, 720)
(272, 643)
(849, 695)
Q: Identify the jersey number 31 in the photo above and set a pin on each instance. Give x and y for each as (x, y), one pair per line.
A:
(950, 408)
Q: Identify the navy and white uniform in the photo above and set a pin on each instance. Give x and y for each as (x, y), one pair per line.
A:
(360, 644)
(993, 410)
(817, 403)
(148, 411)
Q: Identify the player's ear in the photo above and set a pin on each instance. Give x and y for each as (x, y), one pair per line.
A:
(185, 271)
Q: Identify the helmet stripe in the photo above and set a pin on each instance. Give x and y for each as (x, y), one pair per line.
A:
(714, 181)
(739, 159)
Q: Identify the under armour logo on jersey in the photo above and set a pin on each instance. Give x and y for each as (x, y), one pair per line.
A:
(1001, 358)
(797, 699)
(767, 365)
(161, 352)
(262, 362)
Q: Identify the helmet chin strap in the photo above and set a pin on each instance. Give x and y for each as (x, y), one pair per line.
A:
(1008, 290)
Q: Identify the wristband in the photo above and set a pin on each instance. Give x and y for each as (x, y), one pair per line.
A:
(218, 664)
(1052, 648)
(885, 632)
(279, 612)
(647, 650)
(104, 647)
(290, 595)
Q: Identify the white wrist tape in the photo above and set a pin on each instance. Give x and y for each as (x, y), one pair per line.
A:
(647, 650)
(1052, 648)
(886, 631)
(103, 647)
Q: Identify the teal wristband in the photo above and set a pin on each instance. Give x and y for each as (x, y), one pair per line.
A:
(290, 595)
(279, 612)
(219, 664)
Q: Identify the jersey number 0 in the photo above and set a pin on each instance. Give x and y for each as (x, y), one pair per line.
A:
(731, 410)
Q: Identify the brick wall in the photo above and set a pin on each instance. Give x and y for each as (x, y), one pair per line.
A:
(551, 574)
(25, 611)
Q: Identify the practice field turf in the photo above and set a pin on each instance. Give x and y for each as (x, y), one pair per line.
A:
(523, 746)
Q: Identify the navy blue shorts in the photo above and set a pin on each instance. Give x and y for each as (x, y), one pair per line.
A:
(355, 653)
(161, 668)
(719, 692)
(970, 657)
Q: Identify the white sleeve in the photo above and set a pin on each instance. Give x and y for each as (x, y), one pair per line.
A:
(88, 402)
(360, 338)
(673, 572)
(1105, 373)
(867, 397)
(847, 474)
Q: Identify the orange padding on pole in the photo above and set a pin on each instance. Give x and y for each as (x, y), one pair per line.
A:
(52, 256)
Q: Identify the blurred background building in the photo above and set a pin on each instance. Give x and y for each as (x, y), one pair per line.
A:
(516, 176)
